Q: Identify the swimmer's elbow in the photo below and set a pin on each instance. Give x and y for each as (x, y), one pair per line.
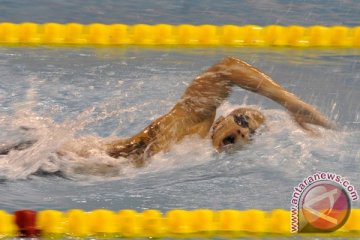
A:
(229, 60)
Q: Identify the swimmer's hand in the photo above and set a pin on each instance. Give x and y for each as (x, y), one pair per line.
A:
(248, 77)
(305, 114)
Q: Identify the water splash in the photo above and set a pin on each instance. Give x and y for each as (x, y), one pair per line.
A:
(281, 143)
(58, 144)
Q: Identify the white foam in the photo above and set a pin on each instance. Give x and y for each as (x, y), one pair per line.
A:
(282, 144)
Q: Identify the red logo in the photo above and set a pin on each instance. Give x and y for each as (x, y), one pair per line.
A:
(324, 207)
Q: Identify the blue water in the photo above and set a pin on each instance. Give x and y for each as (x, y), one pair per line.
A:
(114, 91)
(69, 93)
(262, 12)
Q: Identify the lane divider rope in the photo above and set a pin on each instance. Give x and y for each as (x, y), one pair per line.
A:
(153, 223)
(178, 35)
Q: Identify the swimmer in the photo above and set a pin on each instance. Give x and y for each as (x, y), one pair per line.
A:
(194, 114)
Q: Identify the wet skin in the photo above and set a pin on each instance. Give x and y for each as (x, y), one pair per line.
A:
(194, 114)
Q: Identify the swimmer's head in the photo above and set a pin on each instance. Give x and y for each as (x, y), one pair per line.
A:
(236, 128)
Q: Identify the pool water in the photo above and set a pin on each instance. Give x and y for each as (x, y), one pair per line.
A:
(57, 95)
(62, 94)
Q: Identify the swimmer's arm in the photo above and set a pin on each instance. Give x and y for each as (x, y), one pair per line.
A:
(248, 77)
(195, 112)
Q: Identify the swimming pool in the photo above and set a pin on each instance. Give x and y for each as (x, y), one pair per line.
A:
(70, 92)
(111, 91)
